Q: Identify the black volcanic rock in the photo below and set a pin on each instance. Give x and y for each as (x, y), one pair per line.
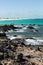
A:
(2, 34)
(7, 27)
(1, 56)
(1, 63)
(2, 50)
(28, 56)
(30, 27)
(20, 56)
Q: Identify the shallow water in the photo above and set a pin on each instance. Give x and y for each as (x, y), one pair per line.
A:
(26, 32)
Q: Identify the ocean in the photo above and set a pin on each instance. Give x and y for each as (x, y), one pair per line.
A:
(26, 21)
(31, 36)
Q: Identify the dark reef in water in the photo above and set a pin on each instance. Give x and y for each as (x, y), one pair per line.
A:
(8, 27)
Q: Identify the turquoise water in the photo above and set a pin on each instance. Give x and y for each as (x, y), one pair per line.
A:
(27, 21)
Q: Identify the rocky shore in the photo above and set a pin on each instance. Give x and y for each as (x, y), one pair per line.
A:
(18, 53)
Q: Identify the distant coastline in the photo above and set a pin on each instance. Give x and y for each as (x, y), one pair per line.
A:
(13, 18)
(18, 18)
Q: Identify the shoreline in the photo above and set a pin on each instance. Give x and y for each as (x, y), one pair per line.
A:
(15, 19)
(15, 52)
(19, 18)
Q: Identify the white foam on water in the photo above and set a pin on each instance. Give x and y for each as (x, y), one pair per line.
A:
(27, 41)
(20, 30)
(9, 31)
(19, 36)
(18, 25)
(40, 40)
(32, 42)
(13, 37)
(36, 26)
(23, 29)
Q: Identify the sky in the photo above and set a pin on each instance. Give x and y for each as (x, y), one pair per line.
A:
(21, 8)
